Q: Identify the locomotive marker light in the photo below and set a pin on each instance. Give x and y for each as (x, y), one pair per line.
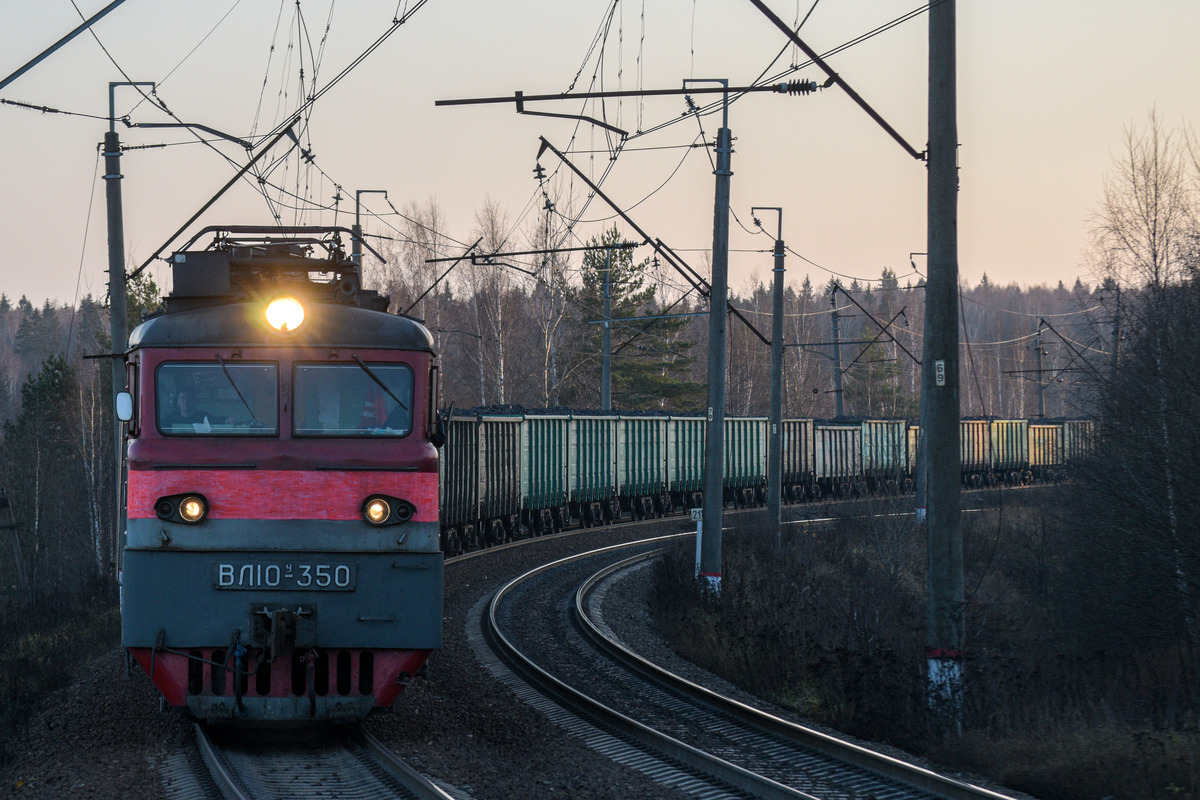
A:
(377, 510)
(189, 508)
(285, 314)
(380, 510)
(192, 509)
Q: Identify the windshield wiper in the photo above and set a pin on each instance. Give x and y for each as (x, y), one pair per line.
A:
(382, 385)
(229, 378)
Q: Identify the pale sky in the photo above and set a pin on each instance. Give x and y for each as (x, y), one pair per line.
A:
(1047, 89)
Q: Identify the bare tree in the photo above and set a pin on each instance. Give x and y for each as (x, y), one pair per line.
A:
(1143, 241)
(548, 299)
(490, 282)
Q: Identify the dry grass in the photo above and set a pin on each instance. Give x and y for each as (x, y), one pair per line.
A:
(42, 649)
(833, 626)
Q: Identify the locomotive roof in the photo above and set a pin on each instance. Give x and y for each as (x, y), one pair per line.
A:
(244, 324)
(220, 294)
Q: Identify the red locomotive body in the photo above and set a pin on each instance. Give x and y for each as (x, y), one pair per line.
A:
(282, 552)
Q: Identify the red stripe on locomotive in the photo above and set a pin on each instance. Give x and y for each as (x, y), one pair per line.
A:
(284, 494)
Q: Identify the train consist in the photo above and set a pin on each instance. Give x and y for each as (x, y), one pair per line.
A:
(288, 510)
(281, 558)
(509, 472)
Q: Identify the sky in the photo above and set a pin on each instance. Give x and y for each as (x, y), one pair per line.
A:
(1046, 94)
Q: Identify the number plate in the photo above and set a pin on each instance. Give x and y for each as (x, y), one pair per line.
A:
(285, 576)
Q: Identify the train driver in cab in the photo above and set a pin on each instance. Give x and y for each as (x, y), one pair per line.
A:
(184, 410)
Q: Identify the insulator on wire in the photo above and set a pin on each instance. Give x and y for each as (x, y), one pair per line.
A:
(797, 87)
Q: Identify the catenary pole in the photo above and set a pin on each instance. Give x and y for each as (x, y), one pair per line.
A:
(775, 422)
(117, 311)
(714, 439)
(356, 245)
(837, 356)
(1041, 379)
(1116, 345)
(606, 337)
(940, 400)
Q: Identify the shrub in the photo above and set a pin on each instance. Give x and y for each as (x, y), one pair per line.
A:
(833, 626)
(43, 647)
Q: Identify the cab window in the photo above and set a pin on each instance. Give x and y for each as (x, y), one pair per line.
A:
(352, 399)
(217, 398)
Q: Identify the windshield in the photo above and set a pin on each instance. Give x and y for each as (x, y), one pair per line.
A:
(353, 399)
(217, 398)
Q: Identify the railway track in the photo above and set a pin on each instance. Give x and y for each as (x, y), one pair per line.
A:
(552, 649)
(309, 761)
(320, 764)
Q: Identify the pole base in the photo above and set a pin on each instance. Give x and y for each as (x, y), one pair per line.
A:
(945, 685)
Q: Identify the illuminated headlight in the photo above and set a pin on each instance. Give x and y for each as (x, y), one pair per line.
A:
(192, 509)
(380, 510)
(285, 314)
(377, 511)
(189, 508)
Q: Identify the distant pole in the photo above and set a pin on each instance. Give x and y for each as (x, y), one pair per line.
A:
(1117, 335)
(714, 441)
(939, 385)
(356, 245)
(775, 438)
(837, 357)
(1037, 347)
(606, 337)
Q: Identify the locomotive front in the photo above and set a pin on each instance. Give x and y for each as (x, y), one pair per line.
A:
(281, 558)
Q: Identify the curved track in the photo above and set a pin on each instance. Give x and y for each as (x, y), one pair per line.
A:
(542, 628)
(810, 745)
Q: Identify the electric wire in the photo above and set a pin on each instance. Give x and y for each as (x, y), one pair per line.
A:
(1030, 314)
(807, 260)
(1081, 346)
(49, 110)
(371, 48)
(267, 75)
(190, 53)
(87, 224)
(155, 100)
(656, 190)
(735, 96)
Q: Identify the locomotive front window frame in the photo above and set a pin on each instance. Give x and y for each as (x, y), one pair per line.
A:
(226, 398)
(352, 399)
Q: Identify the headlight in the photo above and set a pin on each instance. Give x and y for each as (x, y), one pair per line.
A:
(192, 509)
(377, 511)
(380, 510)
(189, 508)
(285, 314)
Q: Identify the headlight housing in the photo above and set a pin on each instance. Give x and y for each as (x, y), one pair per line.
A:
(381, 510)
(190, 508)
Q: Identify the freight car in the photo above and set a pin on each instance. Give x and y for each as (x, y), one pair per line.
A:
(281, 559)
(592, 468)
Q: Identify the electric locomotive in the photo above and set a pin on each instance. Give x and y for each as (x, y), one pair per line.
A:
(281, 558)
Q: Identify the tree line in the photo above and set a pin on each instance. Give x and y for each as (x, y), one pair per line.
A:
(526, 330)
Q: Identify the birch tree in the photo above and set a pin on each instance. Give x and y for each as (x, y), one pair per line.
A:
(1144, 236)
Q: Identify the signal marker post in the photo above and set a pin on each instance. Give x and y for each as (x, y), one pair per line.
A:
(713, 582)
